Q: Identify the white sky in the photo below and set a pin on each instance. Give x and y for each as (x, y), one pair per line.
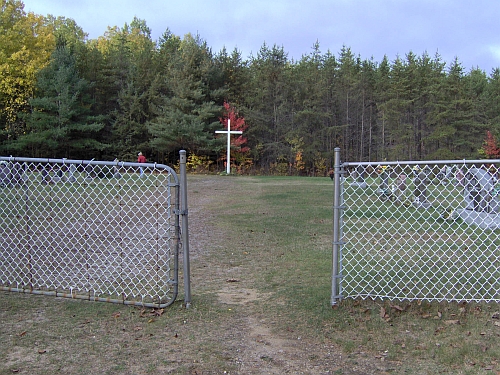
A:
(469, 30)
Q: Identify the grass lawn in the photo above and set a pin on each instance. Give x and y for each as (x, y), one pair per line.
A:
(261, 283)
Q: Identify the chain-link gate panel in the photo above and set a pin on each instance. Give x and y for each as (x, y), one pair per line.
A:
(421, 231)
(106, 231)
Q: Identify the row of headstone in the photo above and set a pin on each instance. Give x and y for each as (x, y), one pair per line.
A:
(14, 173)
(397, 190)
(480, 195)
(59, 176)
(70, 174)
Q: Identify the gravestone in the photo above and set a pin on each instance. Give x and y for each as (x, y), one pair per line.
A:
(400, 187)
(89, 172)
(383, 187)
(116, 170)
(11, 174)
(45, 176)
(59, 176)
(4, 174)
(360, 178)
(420, 182)
(72, 171)
(445, 175)
(482, 205)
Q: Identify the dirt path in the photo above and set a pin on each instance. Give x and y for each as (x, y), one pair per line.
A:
(250, 338)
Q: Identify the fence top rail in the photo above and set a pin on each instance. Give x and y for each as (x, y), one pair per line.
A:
(426, 162)
(92, 162)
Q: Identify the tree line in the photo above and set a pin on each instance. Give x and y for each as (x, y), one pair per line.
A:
(64, 95)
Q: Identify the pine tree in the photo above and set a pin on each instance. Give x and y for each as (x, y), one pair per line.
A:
(185, 112)
(59, 124)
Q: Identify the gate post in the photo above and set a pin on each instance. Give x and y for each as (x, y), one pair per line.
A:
(184, 229)
(337, 201)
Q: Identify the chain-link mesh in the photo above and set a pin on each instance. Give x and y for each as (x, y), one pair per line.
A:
(419, 231)
(93, 230)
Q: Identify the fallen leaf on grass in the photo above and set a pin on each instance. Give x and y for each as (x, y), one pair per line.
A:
(22, 334)
(452, 321)
(426, 316)
(42, 351)
(232, 281)
(438, 329)
(116, 315)
(382, 312)
(396, 307)
(157, 312)
(145, 313)
(497, 324)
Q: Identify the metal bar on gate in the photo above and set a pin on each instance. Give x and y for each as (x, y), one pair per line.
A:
(336, 228)
(184, 230)
(412, 162)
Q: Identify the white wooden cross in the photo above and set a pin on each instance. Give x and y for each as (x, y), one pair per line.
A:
(228, 132)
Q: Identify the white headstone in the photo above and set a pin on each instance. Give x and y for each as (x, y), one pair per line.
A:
(482, 205)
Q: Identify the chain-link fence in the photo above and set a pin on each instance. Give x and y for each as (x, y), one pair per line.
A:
(418, 231)
(105, 231)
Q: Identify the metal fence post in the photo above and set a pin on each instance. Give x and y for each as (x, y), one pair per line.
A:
(184, 229)
(337, 201)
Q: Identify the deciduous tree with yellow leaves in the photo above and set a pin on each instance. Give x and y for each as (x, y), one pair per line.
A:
(26, 43)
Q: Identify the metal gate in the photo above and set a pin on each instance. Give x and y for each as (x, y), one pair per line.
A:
(96, 230)
(417, 230)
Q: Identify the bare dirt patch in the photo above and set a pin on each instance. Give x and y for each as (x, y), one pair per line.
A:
(237, 296)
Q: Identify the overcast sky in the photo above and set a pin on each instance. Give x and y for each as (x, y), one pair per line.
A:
(468, 30)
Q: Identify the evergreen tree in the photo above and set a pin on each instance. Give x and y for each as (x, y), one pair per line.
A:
(185, 115)
(136, 51)
(59, 124)
(268, 112)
